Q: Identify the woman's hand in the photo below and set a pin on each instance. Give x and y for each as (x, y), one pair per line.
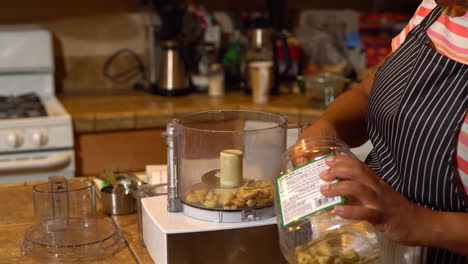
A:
(388, 210)
(321, 128)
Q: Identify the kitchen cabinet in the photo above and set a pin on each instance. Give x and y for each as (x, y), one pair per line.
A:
(124, 150)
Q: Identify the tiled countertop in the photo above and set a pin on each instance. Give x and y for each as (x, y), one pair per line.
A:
(98, 112)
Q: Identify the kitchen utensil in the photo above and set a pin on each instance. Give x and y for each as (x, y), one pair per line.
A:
(266, 39)
(261, 80)
(260, 37)
(115, 178)
(172, 79)
(259, 49)
(66, 227)
(205, 55)
(322, 89)
(118, 200)
(278, 38)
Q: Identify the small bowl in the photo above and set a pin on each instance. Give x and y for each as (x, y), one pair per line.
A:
(119, 200)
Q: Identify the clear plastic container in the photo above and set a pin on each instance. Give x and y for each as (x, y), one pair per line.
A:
(66, 228)
(322, 89)
(225, 162)
(321, 236)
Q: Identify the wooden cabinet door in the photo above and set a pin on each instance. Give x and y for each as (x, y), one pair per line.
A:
(123, 150)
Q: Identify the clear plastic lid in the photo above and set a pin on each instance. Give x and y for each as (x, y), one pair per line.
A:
(309, 230)
(66, 228)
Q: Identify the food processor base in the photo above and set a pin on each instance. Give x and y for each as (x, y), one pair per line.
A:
(178, 238)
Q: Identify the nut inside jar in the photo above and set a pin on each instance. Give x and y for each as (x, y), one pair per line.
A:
(331, 248)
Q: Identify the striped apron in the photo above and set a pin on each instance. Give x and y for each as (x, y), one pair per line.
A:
(416, 108)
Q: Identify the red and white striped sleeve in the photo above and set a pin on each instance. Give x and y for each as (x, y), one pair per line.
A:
(421, 12)
(462, 153)
(449, 33)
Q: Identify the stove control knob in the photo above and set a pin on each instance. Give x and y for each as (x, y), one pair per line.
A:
(39, 138)
(14, 140)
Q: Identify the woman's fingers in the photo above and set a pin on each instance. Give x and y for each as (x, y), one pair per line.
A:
(351, 200)
(349, 168)
(360, 192)
(299, 160)
(358, 213)
(299, 154)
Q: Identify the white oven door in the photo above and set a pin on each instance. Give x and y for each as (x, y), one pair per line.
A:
(34, 166)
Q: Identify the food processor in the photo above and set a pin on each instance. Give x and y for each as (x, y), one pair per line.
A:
(221, 169)
(66, 227)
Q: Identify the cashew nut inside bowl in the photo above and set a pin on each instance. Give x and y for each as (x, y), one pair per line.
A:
(253, 194)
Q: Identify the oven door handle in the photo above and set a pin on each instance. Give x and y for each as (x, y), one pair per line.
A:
(55, 161)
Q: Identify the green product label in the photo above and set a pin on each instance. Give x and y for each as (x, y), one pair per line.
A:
(298, 192)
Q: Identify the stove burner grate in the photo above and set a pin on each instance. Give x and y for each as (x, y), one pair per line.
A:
(21, 106)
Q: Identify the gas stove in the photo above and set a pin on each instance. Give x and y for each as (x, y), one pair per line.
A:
(36, 136)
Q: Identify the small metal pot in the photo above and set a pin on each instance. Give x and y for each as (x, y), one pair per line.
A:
(119, 200)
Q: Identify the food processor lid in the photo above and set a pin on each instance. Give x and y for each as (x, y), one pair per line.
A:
(60, 234)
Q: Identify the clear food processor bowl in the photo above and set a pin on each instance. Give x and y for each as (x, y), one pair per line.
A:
(222, 164)
(66, 228)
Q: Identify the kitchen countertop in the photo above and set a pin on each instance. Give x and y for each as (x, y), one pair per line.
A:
(127, 110)
(17, 215)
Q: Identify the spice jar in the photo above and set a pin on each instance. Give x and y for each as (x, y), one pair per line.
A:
(309, 229)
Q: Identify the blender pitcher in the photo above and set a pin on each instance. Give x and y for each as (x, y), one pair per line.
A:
(66, 227)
